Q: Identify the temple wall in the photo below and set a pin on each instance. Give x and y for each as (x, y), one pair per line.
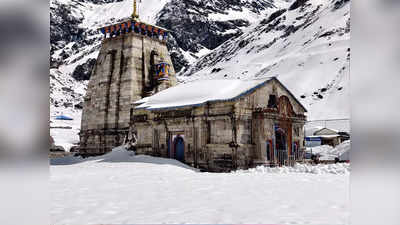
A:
(263, 128)
(209, 130)
(122, 75)
(207, 138)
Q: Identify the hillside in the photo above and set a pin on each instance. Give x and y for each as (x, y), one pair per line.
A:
(307, 46)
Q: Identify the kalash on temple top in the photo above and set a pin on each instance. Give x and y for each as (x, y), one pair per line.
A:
(135, 25)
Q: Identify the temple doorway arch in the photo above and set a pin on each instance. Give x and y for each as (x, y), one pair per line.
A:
(281, 146)
(179, 147)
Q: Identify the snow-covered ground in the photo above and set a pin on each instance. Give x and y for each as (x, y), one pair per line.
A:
(121, 188)
(65, 132)
(339, 168)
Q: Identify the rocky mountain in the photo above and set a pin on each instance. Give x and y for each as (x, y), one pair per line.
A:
(200, 26)
(306, 45)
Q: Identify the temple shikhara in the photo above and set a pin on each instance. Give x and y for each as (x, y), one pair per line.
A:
(133, 63)
(133, 99)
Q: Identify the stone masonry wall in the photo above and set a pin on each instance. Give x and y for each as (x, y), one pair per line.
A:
(209, 130)
(122, 75)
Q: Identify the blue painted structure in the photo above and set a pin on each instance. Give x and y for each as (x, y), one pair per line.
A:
(162, 71)
(313, 141)
(62, 117)
(179, 149)
(137, 27)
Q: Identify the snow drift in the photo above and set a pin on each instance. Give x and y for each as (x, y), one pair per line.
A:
(339, 169)
(118, 155)
(326, 152)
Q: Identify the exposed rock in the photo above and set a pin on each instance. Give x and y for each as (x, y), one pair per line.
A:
(83, 71)
(64, 27)
(55, 148)
(74, 149)
(79, 105)
(102, 1)
(273, 16)
(67, 89)
(297, 4)
(67, 104)
(193, 30)
(216, 70)
(326, 34)
(340, 3)
(243, 43)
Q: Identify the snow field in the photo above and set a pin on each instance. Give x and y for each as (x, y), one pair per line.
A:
(66, 138)
(120, 188)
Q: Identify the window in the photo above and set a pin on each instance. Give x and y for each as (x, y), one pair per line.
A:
(272, 101)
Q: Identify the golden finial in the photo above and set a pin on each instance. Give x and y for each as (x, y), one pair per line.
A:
(161, 56)
(135, 15)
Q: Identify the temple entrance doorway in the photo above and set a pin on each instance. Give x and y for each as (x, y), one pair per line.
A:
(176, 146)
(179, 144)
(281, 146)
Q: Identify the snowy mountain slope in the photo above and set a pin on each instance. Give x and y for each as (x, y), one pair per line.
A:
(200, 26)
(307, 46)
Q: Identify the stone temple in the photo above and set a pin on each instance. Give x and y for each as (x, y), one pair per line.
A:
(133, 99)
(133, 63)
(220, 125)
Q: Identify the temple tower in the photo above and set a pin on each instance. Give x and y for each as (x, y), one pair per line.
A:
(133, 63)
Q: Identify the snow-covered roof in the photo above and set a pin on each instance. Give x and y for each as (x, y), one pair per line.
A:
(311, 129)
(326, 131)
(200, 92)
(328, 136)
